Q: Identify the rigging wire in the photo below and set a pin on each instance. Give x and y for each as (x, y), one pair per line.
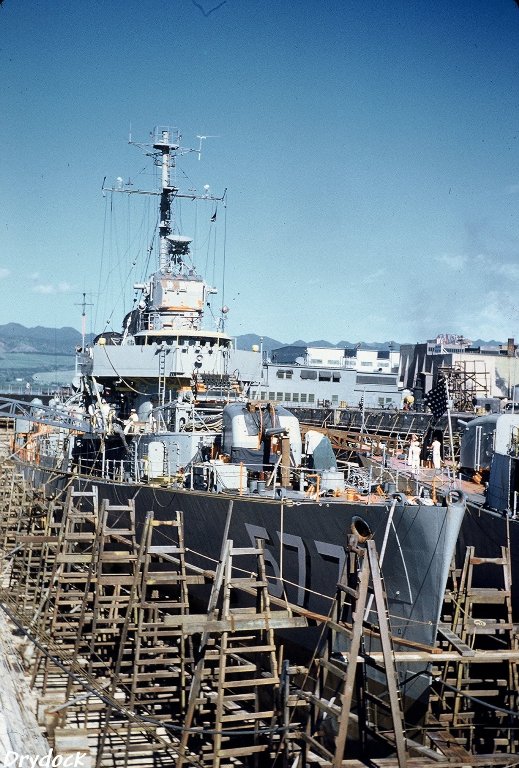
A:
(136, 244)
(224, 203)
(214, 229)
(103, 243)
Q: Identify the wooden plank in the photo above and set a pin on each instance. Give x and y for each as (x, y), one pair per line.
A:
(200, 623)
(448, 745)
(456, 641)
(480, 657)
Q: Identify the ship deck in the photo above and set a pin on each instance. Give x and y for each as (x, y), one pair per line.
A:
(438, 481)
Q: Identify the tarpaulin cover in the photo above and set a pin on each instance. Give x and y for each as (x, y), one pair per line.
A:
(323, 455)
(498, 493)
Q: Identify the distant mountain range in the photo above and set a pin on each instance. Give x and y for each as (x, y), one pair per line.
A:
(52, 341)
(25, 352)
(268, 344)
(63, 341)
(16, 338)
(249, 339)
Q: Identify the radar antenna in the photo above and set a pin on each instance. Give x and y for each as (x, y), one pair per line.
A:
(202, 138)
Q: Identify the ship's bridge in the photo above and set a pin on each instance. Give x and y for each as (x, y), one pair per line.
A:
(184, 338)
(163, 352)
(179, 293)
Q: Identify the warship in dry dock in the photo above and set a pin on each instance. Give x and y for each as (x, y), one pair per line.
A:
(161, 417)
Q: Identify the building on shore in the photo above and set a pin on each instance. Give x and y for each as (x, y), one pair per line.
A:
(475, 374)
(337, 377)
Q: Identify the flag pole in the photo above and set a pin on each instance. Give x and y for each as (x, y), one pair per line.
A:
(451, 439)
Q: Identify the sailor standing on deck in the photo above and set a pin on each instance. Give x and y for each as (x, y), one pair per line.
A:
(105, 410)
(413, 439)
(436, 453)
(413, 457)
(131, 422)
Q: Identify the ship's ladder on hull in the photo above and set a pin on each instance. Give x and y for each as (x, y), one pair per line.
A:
(481, 620)
(162, 379)
(342, 670)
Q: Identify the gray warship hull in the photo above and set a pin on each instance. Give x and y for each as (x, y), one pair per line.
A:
(306, 550)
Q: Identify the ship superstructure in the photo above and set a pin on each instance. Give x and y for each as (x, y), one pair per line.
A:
(164, 356)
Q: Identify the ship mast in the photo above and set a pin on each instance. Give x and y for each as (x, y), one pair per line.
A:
(174, 296)
(163, 145)
(84, 304)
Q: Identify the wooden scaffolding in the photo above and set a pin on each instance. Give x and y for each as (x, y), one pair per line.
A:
(477, 692)
(129, 674)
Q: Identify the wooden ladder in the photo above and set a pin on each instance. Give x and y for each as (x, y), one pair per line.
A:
(116, 555)
(341, 673)
(150, 673)
(32, 559)
(482, 620)
(15, 498)
(236, 678)
(160, 652)
(71, 578)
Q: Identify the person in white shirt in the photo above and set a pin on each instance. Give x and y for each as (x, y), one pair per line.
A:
(413, 457)
(130, 424)
(436, 453)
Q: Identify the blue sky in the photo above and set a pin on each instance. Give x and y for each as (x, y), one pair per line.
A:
(370, 150)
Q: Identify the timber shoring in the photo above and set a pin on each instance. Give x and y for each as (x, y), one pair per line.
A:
(112, 655)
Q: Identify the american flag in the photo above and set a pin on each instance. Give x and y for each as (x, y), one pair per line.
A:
(436, 399)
